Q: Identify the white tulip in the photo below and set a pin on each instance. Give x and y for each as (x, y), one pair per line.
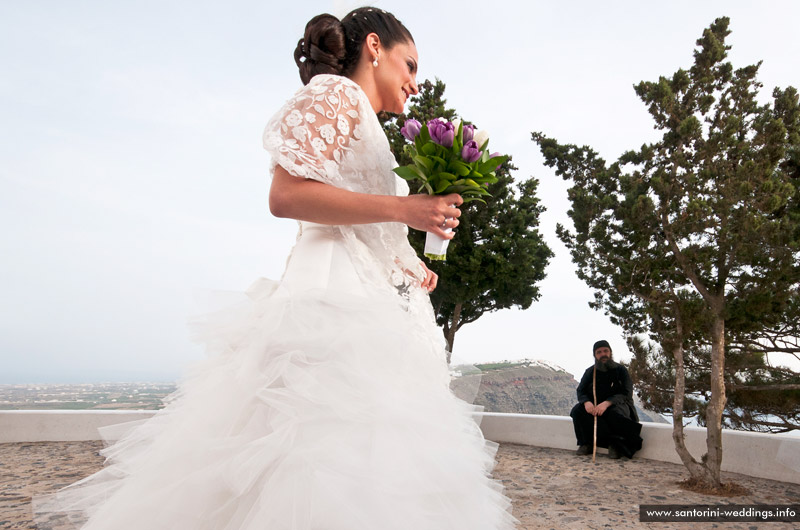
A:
(456, 123)
(481, 137)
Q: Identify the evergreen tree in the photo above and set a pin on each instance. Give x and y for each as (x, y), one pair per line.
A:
(692, 239)
(497, 257)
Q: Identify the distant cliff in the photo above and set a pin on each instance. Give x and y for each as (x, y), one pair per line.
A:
(525, 387)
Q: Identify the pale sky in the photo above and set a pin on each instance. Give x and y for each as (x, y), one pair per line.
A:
(133, 182)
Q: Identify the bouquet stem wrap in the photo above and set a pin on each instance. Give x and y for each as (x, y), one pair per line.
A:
(436, 246)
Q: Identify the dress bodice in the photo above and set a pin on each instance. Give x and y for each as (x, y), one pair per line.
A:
(329, 132)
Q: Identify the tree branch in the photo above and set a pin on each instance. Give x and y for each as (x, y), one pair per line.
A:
(765, 387)
(685, 265)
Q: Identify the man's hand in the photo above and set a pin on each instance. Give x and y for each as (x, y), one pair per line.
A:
(598, 410)
(601, 408)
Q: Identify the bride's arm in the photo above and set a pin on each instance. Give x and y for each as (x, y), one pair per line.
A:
(317, 202)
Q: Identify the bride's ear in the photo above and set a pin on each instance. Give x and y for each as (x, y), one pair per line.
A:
(372, 48)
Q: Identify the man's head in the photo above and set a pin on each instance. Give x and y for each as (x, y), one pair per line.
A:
(602, 351)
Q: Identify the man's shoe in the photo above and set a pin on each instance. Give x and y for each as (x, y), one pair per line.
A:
(584, 450)
(613, 452)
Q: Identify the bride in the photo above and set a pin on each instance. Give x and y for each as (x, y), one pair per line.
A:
(324, 404)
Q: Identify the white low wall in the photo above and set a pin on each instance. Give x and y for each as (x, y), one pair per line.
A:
(770, 456)
(61, 425)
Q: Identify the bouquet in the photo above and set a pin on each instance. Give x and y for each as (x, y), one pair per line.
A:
(448, 157)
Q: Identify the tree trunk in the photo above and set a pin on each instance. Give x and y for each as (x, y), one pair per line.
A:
(697, 470)
(450, 330)
(716, 406)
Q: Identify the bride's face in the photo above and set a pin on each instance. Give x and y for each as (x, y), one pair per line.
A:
(396, 76)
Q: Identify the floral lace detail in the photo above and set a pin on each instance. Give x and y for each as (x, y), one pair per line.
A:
(329, 132)
(311, 135)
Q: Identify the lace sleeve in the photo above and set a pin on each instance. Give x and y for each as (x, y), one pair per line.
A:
(310, 136)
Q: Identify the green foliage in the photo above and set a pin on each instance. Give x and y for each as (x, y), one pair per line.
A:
(695, 239)
(497, 257)
(760, 397)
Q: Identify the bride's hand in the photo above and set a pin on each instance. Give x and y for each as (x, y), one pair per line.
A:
(431, 278)
(427, 280)
(431, 213)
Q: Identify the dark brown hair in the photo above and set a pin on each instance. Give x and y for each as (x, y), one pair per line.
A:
(331, 46)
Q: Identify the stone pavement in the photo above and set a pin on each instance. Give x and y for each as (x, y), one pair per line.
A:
(550, 488)
(555, 489)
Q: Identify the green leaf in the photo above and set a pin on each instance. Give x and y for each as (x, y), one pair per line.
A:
(429, 148)
(490, 179)
(457, 189)
(476, 191)
(418, 143)
(419, 173)
(424, 134)
(460, 168)
(406, 172)
(491, 164)
(441, 185)
(425, 162)
(440, 160)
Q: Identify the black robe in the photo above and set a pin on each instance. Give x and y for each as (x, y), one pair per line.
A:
(619, 425)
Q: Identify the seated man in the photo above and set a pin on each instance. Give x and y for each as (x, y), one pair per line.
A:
(618, 426)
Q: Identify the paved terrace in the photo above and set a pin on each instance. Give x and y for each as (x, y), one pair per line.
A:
(550, 488)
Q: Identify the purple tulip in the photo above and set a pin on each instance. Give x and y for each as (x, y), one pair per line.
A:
(470, 153)
(469, 132)
(411, 129)
(442, 132)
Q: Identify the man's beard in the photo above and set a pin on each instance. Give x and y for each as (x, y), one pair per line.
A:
(604, 363)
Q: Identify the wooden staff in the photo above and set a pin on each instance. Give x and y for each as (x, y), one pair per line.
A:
(594, 396)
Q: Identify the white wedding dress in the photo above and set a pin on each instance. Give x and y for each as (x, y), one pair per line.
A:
(324, 403)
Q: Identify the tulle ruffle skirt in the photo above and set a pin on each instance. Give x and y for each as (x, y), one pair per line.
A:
(323, 406)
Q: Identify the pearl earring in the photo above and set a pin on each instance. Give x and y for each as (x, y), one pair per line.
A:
(375, 62)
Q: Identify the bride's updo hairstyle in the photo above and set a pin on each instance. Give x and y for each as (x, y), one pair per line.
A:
(331, 46)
